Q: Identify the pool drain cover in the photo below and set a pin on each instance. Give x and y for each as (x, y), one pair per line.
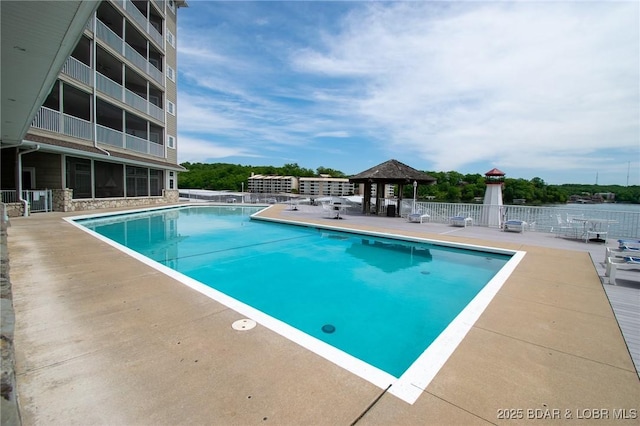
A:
(243, 324)
(328, 328)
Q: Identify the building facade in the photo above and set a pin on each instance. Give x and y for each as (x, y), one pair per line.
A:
(106, 135)
(325, 186)
(272, 184)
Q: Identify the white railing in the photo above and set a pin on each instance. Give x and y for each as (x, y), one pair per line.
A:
(136, 59)
(39, 200)
(109, 136)
(135, 13)
(156, 74)
(89, 24)
(624, 224)
(47, 119)
(137, 16)
(112, 39)
(155, 112)
(78, 70)
(156, 149)
(109, 87)
(77, 127)
(155, 35)
(136, 101)
(137, 144)
(119, 45)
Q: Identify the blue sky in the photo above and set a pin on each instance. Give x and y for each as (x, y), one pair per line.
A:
(536, 89)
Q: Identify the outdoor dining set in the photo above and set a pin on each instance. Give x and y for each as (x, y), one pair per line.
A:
(587, 229)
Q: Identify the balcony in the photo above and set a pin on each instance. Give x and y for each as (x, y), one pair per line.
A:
(108, 136)
(110, 88)
(114, 41)
(54, 121)
(78, 71)
(141, 20)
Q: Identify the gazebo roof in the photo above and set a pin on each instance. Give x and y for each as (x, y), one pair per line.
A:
(392, 171)
(494, 172)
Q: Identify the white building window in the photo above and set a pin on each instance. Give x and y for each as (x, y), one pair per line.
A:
(171, 74)
(171, 141)
(171, 108)
(171, 38)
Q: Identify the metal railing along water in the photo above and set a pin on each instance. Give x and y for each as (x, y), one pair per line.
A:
(622, 224)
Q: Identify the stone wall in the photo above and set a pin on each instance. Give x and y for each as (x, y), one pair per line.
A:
(63, 202)
(13, 209)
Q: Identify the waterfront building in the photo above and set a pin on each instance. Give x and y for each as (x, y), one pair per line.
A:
(106, 133)
(272, 184)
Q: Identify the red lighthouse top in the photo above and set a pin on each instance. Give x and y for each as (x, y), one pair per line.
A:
(494, 172)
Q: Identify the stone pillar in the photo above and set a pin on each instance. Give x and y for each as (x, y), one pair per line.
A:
(62, 199)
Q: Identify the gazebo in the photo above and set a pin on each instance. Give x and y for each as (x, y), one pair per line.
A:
(391, 172)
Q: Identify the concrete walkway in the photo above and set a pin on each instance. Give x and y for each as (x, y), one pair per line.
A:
(102, 339)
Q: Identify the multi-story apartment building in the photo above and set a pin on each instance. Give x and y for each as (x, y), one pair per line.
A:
(325, 185)
(389, 190)
(106, 135)
(272, 184)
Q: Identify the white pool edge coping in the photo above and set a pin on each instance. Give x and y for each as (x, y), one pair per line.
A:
(422, 371)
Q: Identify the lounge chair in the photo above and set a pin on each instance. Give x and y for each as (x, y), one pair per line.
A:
(613, 264)
(629, 244)
(461, 219)
(418, 217)
(515, 225)
(620, 252)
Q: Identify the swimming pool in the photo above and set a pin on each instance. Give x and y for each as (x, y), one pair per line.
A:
(374, 305)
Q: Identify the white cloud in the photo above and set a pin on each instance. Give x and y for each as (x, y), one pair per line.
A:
(200, 150)
(465, 82)
(520, 85)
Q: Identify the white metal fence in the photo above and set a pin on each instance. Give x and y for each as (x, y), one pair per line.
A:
(623, 224)
(39, 200)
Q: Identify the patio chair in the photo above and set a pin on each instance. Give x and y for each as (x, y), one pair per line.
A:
(461, 219)
(515, 225)
(327, 209)
(418, 217)
(614, 264)
(565, 229)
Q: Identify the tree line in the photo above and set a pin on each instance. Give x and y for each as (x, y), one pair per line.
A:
(451, 186)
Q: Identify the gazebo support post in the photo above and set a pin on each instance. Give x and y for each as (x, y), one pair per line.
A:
(366, 199)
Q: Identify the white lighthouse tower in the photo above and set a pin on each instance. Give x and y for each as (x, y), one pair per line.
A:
(494, 180)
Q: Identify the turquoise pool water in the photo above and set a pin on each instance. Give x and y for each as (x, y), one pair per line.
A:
(380, 300)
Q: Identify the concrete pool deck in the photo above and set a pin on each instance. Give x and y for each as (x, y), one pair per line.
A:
(102, 339)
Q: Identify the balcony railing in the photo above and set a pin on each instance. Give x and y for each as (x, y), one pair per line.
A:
(114, 41)
(47, 119)
(54, 121)
(109, 87)
(77, 127)
(108, 136)
(137, 16)
(135, 13)
(78, 70)
(137, 144)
